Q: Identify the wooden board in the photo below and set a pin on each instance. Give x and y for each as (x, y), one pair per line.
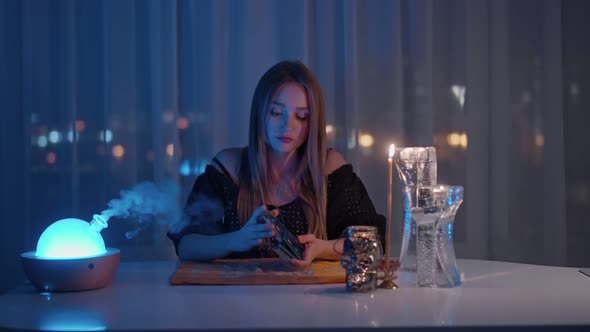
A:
(263, 271)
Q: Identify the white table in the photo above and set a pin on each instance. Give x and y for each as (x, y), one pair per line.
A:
(494, 294)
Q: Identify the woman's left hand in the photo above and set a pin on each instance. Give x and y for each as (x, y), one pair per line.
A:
(313, 248)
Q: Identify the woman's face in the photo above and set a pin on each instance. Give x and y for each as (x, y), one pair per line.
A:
(288, 119)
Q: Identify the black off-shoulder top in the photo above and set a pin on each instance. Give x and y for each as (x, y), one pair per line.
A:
(212, 209)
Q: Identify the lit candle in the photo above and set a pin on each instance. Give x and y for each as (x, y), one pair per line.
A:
(388, 278)
(389, 199)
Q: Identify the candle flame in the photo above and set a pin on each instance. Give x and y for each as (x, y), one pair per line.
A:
(391, 150)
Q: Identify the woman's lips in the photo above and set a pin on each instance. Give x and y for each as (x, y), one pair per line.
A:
(285, 139)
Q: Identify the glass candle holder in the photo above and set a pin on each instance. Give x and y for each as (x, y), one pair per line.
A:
(361, 256)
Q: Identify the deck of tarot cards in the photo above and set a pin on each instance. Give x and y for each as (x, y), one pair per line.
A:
(283, 243)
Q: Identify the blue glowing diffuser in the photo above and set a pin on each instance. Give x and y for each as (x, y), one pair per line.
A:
(71, 256)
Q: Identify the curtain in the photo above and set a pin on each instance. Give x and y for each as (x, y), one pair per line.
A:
(98, 96)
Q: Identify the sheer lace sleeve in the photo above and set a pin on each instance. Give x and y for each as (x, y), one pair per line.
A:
(204, 209)
(349, 204)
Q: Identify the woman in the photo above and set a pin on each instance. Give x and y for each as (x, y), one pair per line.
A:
(285, 165)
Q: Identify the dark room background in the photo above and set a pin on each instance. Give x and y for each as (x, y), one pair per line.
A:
(97, 96)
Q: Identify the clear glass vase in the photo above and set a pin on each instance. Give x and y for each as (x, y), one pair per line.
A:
(426, 215)
(426, 245)
(416, 168)
(450, 199)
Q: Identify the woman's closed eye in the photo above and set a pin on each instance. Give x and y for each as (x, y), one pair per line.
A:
(302, 115)
(274, 111)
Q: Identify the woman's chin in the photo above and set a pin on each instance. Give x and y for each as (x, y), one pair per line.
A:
(283, 148)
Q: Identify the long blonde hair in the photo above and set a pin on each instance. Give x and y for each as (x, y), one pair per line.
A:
(310, 171)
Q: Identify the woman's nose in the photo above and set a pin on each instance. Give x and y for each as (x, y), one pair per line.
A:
(287, 122)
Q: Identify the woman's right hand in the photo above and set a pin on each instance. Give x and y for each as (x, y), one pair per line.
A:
(252, 233)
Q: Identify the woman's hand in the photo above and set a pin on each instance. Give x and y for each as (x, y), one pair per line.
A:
(252, 233)
(313, 248)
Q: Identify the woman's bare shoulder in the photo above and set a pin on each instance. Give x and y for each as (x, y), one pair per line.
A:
(334, 161)
(230, 159)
